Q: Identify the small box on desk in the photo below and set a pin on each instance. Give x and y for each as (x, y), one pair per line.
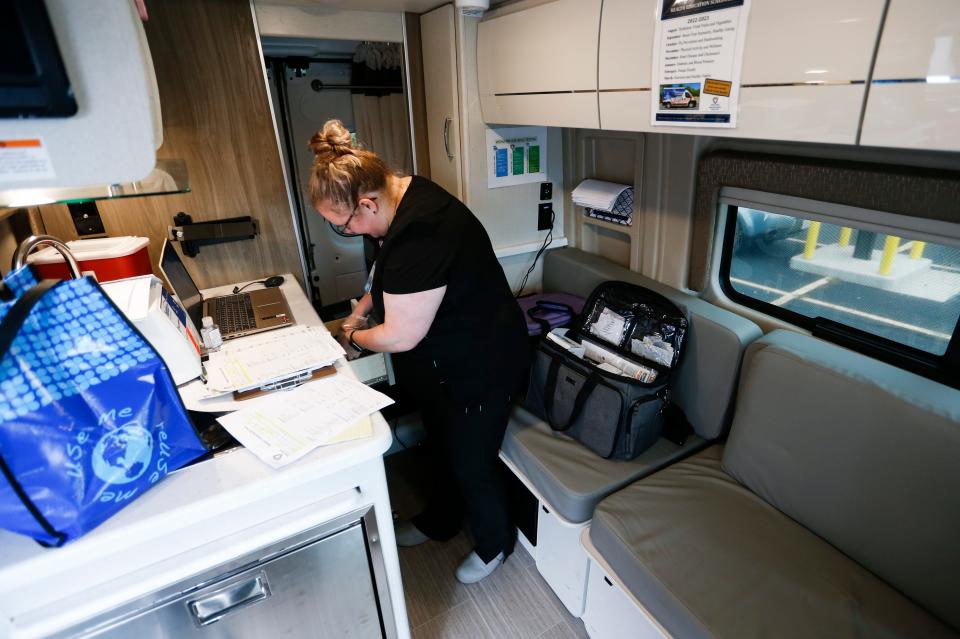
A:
(162, 321)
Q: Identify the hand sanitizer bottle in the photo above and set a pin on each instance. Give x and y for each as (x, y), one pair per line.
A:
(210, 334)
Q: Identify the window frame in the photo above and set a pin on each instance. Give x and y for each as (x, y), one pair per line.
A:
(943, 368)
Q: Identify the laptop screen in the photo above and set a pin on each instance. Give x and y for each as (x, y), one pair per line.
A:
(176, 273)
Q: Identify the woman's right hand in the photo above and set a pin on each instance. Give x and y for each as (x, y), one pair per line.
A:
(354, 322)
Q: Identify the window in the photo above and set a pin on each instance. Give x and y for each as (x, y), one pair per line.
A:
(887, 292)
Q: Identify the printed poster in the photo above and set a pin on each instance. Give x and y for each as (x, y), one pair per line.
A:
(697, 57)
(516, 155)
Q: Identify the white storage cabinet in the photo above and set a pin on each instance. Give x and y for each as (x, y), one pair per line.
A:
(537, 63)
(804, 69)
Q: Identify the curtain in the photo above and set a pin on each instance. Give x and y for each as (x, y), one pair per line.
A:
(380, 112)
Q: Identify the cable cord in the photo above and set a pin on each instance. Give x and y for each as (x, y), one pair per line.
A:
(546, 242)
(237, 289)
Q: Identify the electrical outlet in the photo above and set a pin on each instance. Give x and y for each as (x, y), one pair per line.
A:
(544, 216)
(546, 190)
(86, 218)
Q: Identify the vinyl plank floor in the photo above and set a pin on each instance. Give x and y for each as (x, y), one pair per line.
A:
(429, 583)
(463, 621)
(560, 631)
(512, 603)
(517, 603)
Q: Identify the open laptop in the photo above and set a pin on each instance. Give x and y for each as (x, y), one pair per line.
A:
(237, 315)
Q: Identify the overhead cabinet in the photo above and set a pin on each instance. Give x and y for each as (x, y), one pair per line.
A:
(914, 99)
(537, 63)
(805, 66)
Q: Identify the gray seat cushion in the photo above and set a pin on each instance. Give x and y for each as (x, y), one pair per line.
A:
(570, 477)
(706, 379)
(708, 558)
(865, 455)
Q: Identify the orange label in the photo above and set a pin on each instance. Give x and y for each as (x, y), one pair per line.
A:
(717, 87)
(19, 143)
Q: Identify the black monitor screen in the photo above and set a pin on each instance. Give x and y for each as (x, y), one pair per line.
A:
(33, 81)
(183, 285)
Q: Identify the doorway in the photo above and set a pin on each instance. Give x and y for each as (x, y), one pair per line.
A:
(363, 85)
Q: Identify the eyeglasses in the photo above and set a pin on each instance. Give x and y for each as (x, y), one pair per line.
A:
(342, 228)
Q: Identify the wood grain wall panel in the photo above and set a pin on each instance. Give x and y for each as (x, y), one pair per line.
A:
(216, 116)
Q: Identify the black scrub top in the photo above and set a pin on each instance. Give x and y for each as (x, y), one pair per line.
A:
(478, 340)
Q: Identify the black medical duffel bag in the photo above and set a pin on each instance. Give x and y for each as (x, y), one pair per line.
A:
(606, 380)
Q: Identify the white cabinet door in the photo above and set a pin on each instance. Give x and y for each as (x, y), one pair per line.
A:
(804, 69)
(440, 83)
(914, 99)
(537, 63)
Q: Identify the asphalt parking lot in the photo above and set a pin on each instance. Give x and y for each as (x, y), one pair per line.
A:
(911, 317)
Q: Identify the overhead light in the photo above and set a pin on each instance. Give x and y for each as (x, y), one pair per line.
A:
(816, 71)
(939, 79)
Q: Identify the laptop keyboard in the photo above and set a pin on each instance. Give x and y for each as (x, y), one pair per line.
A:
(235, 313)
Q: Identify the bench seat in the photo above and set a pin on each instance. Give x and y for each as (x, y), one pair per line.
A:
(708, 558)
(831, 510)
(572, 478)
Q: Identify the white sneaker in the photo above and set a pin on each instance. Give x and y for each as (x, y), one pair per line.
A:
(408, 535)
(472, 569)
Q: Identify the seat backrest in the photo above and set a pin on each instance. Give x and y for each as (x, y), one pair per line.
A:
(706, 379)
(863, 454)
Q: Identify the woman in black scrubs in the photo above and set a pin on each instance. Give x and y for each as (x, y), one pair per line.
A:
(445, 309)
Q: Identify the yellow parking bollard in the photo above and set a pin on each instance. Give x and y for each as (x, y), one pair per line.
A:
(845, 236)
(916, 251)
(889, 252)
(811, 245)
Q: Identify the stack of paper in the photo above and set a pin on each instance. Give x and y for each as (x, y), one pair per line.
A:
(259, 360)
(597, 194)
(286, 425)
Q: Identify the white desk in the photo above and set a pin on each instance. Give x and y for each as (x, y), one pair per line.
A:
(195, 520)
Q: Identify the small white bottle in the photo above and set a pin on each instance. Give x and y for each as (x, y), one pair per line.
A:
(210, 334)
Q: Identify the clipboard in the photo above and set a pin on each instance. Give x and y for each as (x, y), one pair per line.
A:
(287, 383)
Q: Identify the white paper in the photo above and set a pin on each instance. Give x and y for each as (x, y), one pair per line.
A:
(559, 337)
(609, 326)
(612, 362)
(516, 155)
(261, 359)
(287, 425)
(697, 58)
(597, 194)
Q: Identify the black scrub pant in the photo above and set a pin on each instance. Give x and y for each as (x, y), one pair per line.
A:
(466, 474)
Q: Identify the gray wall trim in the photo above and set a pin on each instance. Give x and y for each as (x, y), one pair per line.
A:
(909, 191)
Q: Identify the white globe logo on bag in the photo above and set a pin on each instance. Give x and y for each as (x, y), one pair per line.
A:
(123, 455)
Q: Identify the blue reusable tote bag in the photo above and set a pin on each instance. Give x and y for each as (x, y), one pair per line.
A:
(89, 416)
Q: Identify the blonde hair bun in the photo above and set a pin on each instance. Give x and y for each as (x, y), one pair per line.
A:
(333, 139)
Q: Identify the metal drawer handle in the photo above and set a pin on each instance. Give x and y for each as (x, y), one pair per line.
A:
(218, 605)
(446, 136)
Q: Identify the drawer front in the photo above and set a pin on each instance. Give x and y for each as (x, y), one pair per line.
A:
(320, 590)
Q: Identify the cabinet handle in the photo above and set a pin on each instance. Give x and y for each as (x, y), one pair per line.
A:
(446, 137)
(218, 605)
